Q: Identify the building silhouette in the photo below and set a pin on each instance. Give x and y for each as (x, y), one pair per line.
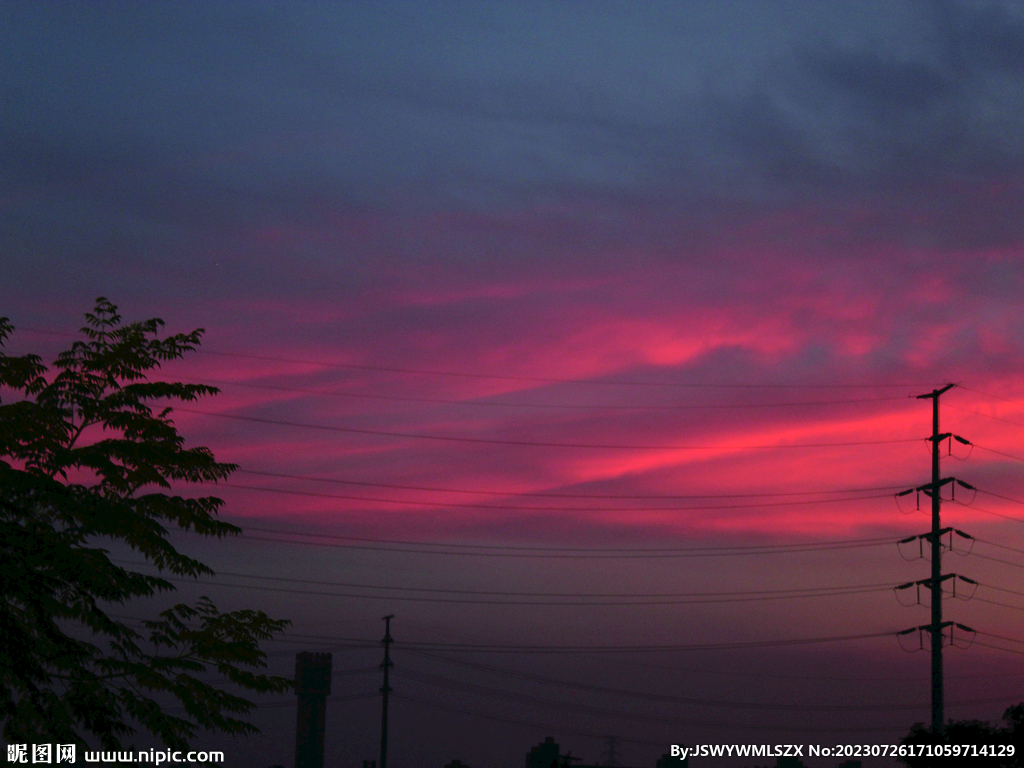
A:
(667, 761)
(544, 755)
(547, 755)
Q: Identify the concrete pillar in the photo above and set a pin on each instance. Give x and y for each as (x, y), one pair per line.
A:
(312, 686)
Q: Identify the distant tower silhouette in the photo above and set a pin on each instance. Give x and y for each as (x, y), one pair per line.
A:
(312, 686)
(611, 755)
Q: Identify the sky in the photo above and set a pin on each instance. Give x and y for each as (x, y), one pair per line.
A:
(651, 287)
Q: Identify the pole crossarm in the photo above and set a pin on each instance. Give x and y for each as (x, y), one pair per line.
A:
(927, 488)
(941, 532)
(937, 627)
(928, 582)
(936, 392)
(932, 486)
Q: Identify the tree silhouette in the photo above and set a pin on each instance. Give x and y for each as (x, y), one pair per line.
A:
(976, 732)
(85, 461)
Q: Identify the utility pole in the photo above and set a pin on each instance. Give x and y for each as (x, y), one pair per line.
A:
(385, 690)
(936, 629)
(611, 753)
(935, 583)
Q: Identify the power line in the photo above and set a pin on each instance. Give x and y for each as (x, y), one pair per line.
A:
(459, 685)
(541, 494)
(484, 550)
(513, 721)
(999, 453)
(328, 648)
(998, 648)
(334, 699)
(536, 443)
(989, 511)
(1001, 637)
(740, 549)
(555, 603)
(1001, 546)
(534, 701)
(333, 642)
(986, 394)
(505, 593)
(534, 379)
(705, 670)
(361, 643)
(999, 496)
(548, 728)
(601, 711)
(998, 560)
(334, 673)
(550, 379)
(557, 649)
(461, 505)
(549, 555)
(651, 696)
(555, 406)
(986, 415)
(1003, 589)
(996, 602)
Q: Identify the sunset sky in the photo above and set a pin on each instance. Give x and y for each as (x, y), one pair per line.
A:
(501, 297)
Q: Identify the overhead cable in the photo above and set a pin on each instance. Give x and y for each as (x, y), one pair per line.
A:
(999, 453)
(493, 550)
(543, 494)
(505, 593)
(537, 443)
(536, 379)
(463, 505)
(480, 403)
(561, 603)
(556, 380)
(652, 696)
(459, 685)
(986, 394)
(706, 724)
(986, 415)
